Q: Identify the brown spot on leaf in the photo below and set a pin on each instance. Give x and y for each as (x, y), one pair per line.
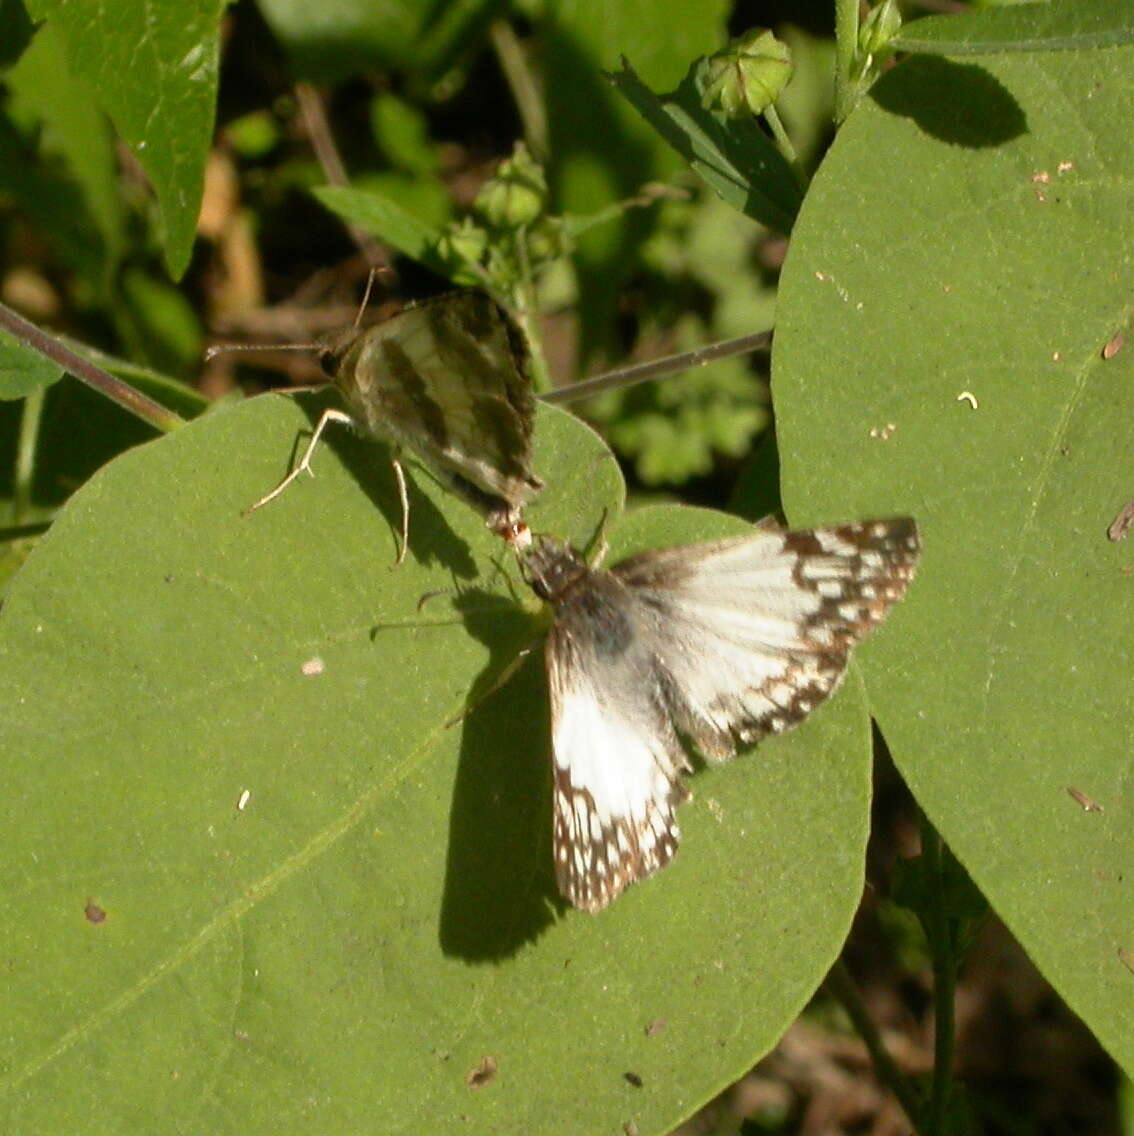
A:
(1121, 524)
(1114, 346)
(93, 912)
(1088, 805)
(482, 1074)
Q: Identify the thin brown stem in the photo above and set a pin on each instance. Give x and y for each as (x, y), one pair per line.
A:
(85, 371)
(330, 161)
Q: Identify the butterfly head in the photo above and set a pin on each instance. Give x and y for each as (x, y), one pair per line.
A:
(551, 567)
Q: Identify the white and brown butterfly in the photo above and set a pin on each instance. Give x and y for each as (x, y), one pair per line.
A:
(719, 643)
(447, 379)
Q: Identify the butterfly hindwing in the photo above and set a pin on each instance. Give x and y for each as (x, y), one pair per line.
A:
(617, 760)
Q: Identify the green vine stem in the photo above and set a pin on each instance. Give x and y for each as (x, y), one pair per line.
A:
(846, 46)
(26, 445)
(842, 987)
(941, 931)
(525, 88)
(775, 124)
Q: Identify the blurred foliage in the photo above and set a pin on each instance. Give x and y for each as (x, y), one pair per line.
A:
(423, 104)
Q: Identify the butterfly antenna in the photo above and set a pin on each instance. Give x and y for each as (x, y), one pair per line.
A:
(657, 368)
(226, 348)
(373, 275)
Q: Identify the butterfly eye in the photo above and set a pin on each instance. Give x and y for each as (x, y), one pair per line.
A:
(329, 361)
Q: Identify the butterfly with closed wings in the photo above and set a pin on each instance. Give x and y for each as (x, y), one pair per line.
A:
(720, 643)
(447, 379)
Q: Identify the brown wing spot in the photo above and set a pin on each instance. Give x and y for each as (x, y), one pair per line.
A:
(596, 861)
(402, 370)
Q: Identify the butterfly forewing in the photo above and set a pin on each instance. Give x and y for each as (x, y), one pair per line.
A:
(751, 634)
(722, 643)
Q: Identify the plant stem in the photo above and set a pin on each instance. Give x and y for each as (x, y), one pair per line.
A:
(527, 315)
(85, 371)
(943, 944)
(846, 46)
(842, 987)
(322, 140)
(525, 89)
(772, 118)
(26, 445)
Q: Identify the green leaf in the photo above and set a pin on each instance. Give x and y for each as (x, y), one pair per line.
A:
(381, 216)
(23, 370)
(151, 65)
(939, 351)
(43, 92)
(736, 159)
(380, 916)
(1055, 26)
(401, 131)
(333, 41)
(16, 31)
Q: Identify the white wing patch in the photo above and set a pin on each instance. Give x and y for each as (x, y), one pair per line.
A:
(617, 767)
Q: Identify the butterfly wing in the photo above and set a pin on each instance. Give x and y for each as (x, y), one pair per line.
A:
(749, 635)
(616, 758)
(448, 379)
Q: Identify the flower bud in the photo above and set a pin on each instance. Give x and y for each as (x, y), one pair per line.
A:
(747, 77)
(878, 29)
(515, 195)
(463, 243)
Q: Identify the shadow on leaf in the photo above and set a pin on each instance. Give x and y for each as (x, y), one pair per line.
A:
(499, 885)
(959, 103)
(368, 460)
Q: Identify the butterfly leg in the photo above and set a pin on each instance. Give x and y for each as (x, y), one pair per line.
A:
(305, 461)
(598, 546)
(503, 677)
(403, 497)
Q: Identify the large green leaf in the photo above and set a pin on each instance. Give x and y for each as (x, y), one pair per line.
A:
(1055, 26)
(151, 65)
(344, 951)
(943, 318)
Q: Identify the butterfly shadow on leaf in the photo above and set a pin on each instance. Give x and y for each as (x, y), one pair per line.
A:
(499, 885)
(368, 461)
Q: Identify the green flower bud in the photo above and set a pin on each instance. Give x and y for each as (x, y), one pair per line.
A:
(548, 240)
(878, 29)
(745, 78)
(463, 243)
(515, 195)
